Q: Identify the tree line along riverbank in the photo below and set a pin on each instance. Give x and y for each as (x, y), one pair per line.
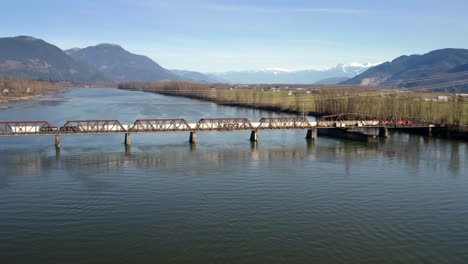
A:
(447, 109)
(14, 89)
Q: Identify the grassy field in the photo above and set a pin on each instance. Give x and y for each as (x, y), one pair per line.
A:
(324, 100)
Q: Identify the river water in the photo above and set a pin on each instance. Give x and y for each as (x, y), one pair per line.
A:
(403, 200)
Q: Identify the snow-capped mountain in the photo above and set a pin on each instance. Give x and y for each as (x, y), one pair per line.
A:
(282, 75)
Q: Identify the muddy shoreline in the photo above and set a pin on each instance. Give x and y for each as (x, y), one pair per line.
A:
(19, 98)
(5, 100)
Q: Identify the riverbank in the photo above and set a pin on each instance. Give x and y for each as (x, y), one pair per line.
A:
(20, 98)
(325, 100)
(14, 90)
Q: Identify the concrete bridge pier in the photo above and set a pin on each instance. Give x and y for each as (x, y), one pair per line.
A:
(311, 134)
(58, 142)
(193, 137)
(128, 139)
(254, 136)
(383, 132)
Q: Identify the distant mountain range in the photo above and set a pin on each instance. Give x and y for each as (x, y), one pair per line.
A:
(332, 81)
(444, 70)
(278, 75)
(32, 58)
(198, 77)
(120, 65)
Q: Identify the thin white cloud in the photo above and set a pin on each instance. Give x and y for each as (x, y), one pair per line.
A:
(224, 7)
(271, 9)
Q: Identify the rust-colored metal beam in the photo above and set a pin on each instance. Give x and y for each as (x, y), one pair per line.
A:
(92, 126)
(399, 122)
(224, 124)
(347, 117)
(284, 123)
(160, 125)
(26, 128)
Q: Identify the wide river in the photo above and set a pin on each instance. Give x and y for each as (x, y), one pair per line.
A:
(403, 200)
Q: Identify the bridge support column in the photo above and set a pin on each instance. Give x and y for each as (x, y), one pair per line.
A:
(383, 132)
(193, 137)
(311, 134)
(254, 136)
(128, 139)
(58, 142)
(429, 131)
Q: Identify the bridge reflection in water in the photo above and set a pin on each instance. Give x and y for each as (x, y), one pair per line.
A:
(348, 122)
(82, 162)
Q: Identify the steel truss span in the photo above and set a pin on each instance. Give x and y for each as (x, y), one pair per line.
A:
(80, 127)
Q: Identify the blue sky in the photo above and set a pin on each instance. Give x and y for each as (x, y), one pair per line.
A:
(222, 35)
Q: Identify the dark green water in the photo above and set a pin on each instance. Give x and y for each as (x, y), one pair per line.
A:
(404, 200)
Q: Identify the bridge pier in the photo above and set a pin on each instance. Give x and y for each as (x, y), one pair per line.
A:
(254, 136)
(383, 132)
(128, 139)
(193, 137)
(58, 142)
(311, 134)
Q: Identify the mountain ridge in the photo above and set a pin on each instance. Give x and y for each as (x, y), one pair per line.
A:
(427, 70)
(29, 57)
(121, 65)
(197, 77)
(281, 75)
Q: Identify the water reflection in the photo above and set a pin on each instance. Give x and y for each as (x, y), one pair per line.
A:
(89, 161)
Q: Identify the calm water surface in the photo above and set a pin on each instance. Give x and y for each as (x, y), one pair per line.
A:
(404, 200)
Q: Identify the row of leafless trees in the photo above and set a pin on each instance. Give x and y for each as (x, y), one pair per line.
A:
(12, 87)
(326, 100)
(388, 104)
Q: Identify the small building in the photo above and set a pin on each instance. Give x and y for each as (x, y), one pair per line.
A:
(442, 98)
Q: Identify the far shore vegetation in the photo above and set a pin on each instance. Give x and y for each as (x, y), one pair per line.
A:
(15, 89)
(440, 108)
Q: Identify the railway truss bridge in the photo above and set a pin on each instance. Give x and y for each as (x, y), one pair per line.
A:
(95, 127)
